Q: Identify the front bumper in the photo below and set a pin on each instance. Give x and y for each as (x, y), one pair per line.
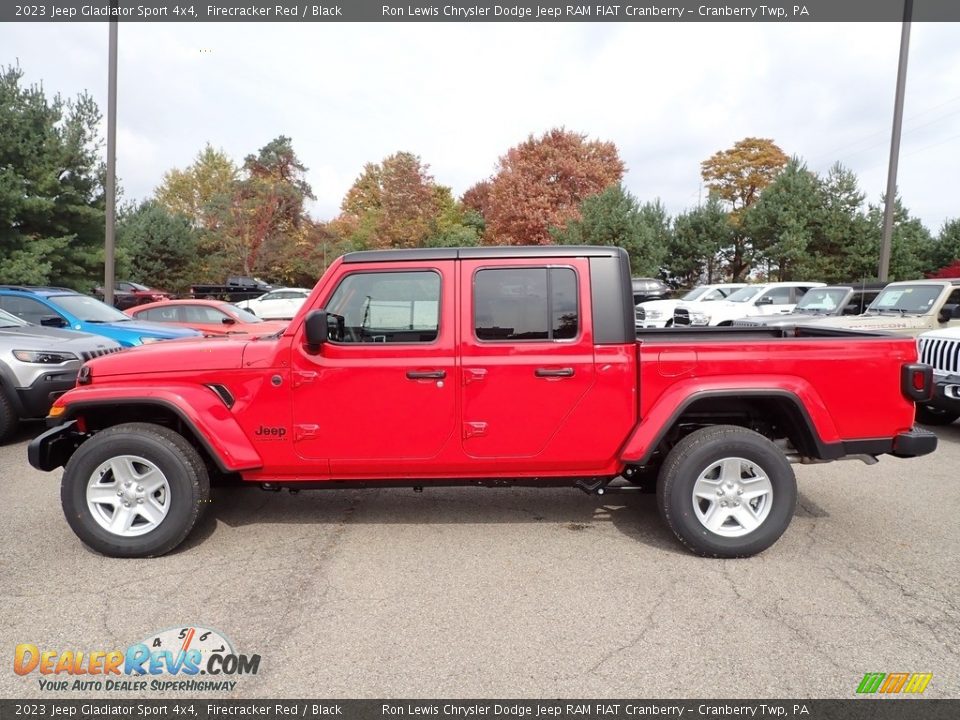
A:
(53, 448)
(946, 393)
(35, 400)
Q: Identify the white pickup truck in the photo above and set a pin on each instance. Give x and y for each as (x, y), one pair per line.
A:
(659, 313)
(766, 299)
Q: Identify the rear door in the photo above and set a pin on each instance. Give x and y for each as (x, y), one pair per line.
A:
(527, 359)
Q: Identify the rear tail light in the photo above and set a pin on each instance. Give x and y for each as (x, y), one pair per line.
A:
(916, 382)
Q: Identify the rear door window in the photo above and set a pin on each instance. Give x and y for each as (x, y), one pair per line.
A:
(529, 303)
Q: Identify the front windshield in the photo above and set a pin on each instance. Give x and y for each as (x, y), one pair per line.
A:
(745, 294)
(240, 314)
(821, 300)
(7, 320)
(906, 299)
(87, 308)
(695, 293)
(138, 286)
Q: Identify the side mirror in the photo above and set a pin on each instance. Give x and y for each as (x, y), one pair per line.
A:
(229, 321)
(54, 321)
(765, 300)
(316, 330)
(850, 309)
(948, 313)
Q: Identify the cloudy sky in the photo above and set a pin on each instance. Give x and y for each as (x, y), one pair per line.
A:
(459, 95)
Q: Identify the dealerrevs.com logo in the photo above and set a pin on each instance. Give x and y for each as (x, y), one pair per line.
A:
(183, 658)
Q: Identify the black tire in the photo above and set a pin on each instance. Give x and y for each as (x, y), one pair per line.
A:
(695, 454)
(930, 415)
(180, 463)
(9, 420)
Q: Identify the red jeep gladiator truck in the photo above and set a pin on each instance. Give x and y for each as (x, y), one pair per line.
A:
(479, 366)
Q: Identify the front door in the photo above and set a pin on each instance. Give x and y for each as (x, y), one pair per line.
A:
(527, 359)
(382, 397)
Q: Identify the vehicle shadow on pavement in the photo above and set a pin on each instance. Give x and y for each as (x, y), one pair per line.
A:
(567, 509)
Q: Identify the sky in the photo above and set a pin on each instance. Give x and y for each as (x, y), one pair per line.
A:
(459, 95)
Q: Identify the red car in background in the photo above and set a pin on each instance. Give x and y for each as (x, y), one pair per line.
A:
(211, 317)
(130, 294)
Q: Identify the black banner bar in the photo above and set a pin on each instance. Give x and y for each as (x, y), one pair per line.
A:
(477, 11)
(892, 708)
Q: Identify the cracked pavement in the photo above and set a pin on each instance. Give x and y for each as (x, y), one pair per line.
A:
(476, 592)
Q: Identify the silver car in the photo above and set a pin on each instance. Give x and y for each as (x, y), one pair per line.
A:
(37, 364)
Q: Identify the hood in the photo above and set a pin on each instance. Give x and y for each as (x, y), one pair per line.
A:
(661, 305)
(36, 337)
(951, 333)
(202, 354)
(909, 324)
(150, 329)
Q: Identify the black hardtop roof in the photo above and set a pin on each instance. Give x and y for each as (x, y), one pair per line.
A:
(481, 253)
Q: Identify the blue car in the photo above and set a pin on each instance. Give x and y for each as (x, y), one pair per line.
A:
(65, 308)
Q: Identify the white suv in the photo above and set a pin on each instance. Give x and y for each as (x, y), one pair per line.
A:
(659, 313)
(279, 304)
(766, 299)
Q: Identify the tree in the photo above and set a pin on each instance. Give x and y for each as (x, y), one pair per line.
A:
(911, 246)
(737, 176)
(541, 183)
(945, 251)
(693, 250)
(396, 203)
(785, 221)
(51, 186)
(614, 217)
(196, 191)
(159, 248)
(265, 213)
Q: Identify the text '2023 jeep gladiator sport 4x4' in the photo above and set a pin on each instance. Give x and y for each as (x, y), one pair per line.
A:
(479, 366)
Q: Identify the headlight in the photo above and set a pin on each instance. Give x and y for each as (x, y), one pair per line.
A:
(148, 340)
(654, 314)
(43, 357)
(699, 319)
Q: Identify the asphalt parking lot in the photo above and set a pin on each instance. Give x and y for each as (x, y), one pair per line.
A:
(512, 592)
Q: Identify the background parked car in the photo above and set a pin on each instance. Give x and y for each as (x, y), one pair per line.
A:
(235, 289)
(128, 294)
(909, 307)
(659, 313)
(765, 299)
(279, 304)
(821, 302)
(64, 308)
(37, 365)
(645, 289)
(940, 349)
(211, 317)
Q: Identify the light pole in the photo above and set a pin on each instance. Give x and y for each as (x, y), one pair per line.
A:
(111, 189)
(889, 206)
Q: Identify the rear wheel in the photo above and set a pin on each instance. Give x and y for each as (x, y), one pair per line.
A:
(726, 491)
(930, 415)
(134, 490)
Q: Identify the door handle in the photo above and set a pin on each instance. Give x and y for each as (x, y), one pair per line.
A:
(553, 372)
(426, 374)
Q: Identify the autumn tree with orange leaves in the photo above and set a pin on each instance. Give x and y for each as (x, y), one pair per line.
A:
(540, 183)
(737, 176)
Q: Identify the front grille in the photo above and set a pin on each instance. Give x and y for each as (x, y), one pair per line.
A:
(641, 314)
(941, 354)
(681, 317)
(97, 353)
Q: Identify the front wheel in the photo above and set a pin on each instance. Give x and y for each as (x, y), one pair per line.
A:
(726, 491)
(930, 415)
(134, 490)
